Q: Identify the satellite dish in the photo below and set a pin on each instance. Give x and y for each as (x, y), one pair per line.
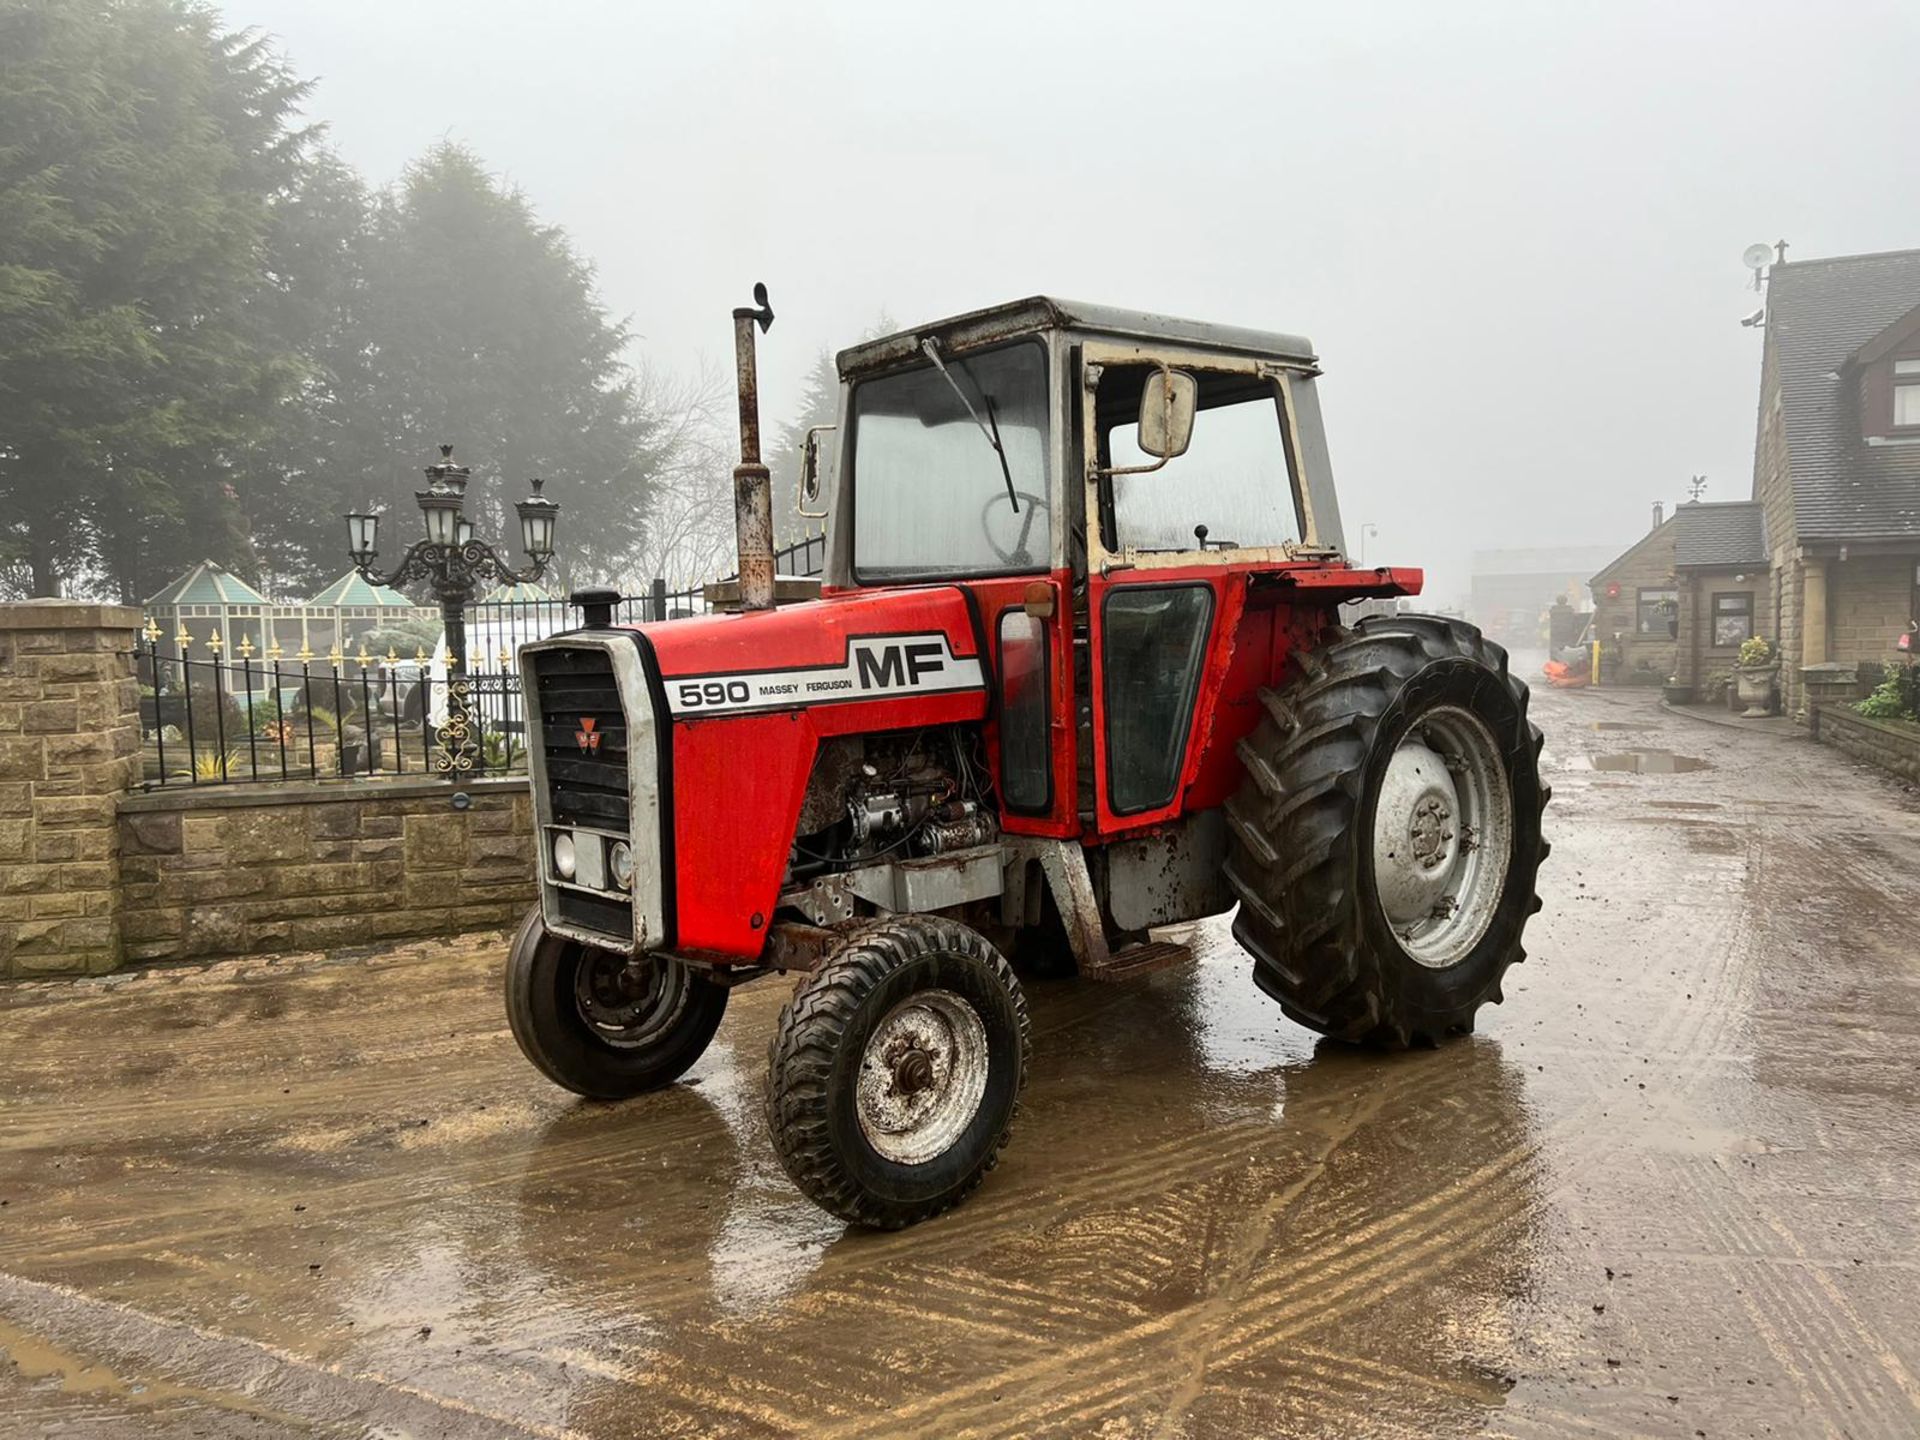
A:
(1757, 257)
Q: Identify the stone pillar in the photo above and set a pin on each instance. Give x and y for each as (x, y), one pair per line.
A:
(1813, 612)
(69, 747)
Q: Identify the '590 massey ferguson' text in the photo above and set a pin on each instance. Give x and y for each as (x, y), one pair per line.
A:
(1076, 670)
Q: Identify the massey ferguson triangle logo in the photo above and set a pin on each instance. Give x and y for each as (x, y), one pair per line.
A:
(586, 737)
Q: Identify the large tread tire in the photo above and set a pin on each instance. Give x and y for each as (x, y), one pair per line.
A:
(1300, 854)
(552, 1033)
(818, 1048)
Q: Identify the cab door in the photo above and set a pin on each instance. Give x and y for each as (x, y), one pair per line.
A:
(1170, 544)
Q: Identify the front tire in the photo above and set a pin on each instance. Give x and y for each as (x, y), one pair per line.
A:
(895, 1073)
(602, 1026)
(1385, 840)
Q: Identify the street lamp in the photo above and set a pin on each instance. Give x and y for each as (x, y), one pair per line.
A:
(452, 562)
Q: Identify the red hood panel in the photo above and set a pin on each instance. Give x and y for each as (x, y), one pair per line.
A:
(861, 646)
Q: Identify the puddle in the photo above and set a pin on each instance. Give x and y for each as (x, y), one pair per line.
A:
(1616, 725)
(1645, 762)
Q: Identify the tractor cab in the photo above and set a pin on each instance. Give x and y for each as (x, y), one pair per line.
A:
(984, 445)
(1117, 492)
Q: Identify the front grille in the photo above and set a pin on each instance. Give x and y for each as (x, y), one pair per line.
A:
(594, 912)
(586, 780)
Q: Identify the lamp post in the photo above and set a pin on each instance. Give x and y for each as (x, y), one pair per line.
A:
(1366, 530)
(452, 562)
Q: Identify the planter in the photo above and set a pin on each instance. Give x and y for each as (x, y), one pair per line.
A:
(1676, 694)
(1755, 687)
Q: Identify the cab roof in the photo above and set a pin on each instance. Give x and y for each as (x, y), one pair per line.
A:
(1044, 312)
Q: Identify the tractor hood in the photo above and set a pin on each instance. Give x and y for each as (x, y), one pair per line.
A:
(849, 649)
(747, 701)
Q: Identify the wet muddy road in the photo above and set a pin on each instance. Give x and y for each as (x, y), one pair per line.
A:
(1672, 1187)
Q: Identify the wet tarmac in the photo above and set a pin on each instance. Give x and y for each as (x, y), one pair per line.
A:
(1670, 1188)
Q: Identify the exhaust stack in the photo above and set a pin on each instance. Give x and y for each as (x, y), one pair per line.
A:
(752, 485)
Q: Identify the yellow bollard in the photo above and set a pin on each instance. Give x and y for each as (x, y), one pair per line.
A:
(1593, 672)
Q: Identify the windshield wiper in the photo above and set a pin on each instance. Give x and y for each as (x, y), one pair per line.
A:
(989, 427)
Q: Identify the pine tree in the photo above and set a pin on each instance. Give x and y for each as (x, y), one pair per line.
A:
(466, 320)
(141, 149)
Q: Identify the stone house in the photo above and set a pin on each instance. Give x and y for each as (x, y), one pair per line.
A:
(1635, 607)
(1722, 586)
(1837, 464)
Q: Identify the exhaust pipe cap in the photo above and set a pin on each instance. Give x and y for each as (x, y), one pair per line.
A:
(596, 606)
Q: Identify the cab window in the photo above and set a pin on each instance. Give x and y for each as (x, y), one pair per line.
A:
(930, 497)
(1237, 476)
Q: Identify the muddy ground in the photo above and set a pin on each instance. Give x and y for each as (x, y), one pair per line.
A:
(1670, 1188)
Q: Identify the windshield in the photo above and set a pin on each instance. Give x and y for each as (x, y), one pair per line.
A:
(929, 495)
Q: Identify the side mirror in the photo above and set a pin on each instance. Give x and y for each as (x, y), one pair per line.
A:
(810, 474)
(1166, 413)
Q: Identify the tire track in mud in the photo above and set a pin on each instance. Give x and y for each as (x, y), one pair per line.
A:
(1575, 1142)
(1789, 1337)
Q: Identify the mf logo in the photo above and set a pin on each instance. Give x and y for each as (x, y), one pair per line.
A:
(898, 663)
(586, 737)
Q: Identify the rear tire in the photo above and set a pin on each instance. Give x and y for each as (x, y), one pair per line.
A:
(895, 1073)
(600, 1027)
(1352, 939)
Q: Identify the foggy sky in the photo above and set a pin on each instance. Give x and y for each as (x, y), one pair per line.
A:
(1513, 232)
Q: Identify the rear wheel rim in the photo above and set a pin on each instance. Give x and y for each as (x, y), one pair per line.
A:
(923, 1074)
(1443, 836)
(628, 1002)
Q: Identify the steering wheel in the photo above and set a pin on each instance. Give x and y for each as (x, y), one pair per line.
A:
(1018, 556)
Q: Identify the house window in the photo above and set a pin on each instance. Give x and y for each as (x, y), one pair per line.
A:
(1656, 613)
(1906, 393)
(1732, 620)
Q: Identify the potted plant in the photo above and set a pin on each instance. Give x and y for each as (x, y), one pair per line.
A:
(1674, 693)
(1756, 669)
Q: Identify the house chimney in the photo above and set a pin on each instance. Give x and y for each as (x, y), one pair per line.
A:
(1659, 514)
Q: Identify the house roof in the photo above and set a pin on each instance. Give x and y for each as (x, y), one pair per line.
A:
(207, 583)
(1819, 313)
(1730, 532)
(350, 589)
(1661, 534)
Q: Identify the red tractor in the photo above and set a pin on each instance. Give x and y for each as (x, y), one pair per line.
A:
(1076, 670)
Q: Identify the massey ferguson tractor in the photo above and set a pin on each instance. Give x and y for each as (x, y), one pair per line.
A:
(1076, 670)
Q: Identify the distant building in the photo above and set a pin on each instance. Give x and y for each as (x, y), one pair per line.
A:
(1512, 590)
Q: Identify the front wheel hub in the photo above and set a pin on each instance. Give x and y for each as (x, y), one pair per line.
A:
(922, 1076)
(627, 1001)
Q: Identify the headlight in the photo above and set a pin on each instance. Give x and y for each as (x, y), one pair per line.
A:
(620, 861)
(564, 860)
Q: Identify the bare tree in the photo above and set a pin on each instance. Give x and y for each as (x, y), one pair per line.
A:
(689, 530)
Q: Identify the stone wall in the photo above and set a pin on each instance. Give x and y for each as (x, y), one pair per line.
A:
(94, 873)
(1698, 656)
(1869, 604)
(242, 869)
(1894, 747)
(69, 745)
(1637, 659)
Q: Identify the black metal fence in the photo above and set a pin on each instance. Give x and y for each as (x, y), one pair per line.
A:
(248, 717)
(350, 717)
